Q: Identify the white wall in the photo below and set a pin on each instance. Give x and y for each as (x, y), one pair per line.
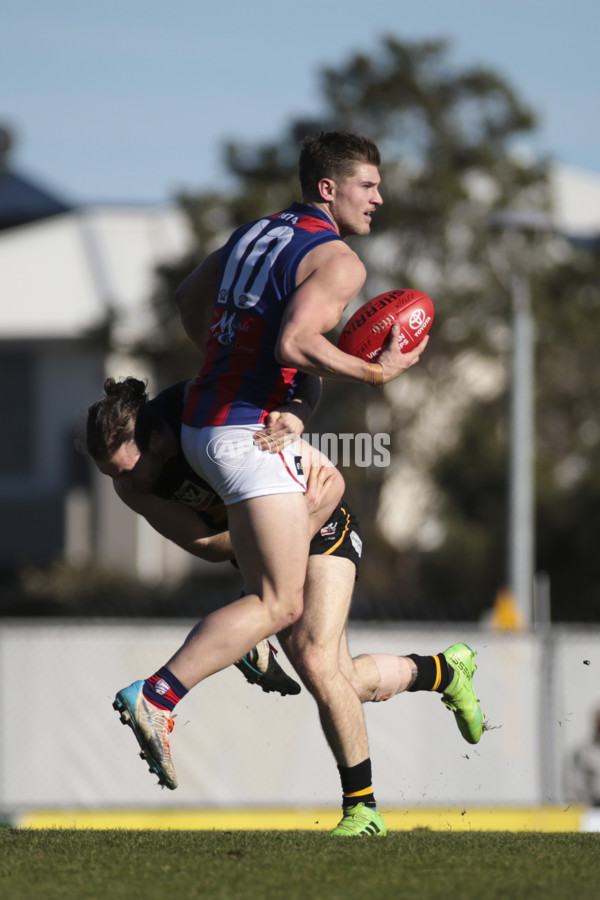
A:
(62, 743)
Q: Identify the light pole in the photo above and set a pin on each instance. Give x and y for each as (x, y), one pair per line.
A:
(521, 528)
(513, 258)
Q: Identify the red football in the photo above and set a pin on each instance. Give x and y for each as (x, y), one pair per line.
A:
(365, 333)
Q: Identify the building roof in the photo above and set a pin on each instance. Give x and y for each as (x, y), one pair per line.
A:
(22, 201)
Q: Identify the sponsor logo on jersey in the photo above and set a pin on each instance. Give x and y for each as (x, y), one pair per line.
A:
(328, 530)
(226, 328)
(298, 464)
(356, 543)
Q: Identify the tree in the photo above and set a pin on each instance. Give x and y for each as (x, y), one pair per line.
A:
(568, 434)
(447, 138)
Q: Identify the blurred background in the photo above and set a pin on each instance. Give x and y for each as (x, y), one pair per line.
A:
(133, 139)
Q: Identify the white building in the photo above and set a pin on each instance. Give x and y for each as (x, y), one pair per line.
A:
(62, 276)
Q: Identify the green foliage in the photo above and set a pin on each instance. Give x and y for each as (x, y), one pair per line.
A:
(472, 480)
(447, 137)
(226, 865)
(568, 435)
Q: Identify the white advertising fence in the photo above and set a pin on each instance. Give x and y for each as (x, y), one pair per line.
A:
(62, 745)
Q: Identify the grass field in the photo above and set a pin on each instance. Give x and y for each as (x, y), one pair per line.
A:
(296, 865)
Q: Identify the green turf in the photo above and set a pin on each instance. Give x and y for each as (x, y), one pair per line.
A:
(267, 865)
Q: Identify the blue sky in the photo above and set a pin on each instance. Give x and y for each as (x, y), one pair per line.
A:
(131, 101)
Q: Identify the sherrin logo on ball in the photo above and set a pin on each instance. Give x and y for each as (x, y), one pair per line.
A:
(365, 333)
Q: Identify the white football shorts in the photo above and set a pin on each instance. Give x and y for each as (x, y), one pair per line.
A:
(226, 457)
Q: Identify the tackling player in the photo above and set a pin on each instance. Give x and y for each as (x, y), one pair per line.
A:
(136, 441)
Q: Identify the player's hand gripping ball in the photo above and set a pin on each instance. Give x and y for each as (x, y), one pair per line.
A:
(366, 332)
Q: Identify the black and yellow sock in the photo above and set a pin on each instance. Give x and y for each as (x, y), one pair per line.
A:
(433, 673)
(356, 785)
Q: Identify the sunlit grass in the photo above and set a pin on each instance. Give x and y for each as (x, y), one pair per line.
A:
(289, 865)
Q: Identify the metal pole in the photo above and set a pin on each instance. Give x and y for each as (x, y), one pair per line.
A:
(521, 483)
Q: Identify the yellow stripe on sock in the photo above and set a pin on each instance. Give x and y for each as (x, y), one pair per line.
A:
(438, 673)
(362, 793)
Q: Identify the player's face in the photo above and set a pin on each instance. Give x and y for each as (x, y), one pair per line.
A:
(355, 199)
(132, 470)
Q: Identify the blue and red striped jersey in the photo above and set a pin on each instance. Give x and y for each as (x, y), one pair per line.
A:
(241, 382)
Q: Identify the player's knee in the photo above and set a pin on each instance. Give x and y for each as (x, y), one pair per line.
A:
(314, 667)
(287, 613)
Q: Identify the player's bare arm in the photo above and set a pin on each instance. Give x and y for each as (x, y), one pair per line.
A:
(321, 487)
(195, 298)
(179, 524)
(330, 276)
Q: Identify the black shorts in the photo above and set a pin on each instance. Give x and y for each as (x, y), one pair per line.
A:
(340, 536)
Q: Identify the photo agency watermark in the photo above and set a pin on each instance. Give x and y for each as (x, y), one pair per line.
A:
(242, 447)
(348, 449)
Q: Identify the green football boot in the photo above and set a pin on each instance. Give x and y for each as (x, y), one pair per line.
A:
(360, 819)
(459, 696)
